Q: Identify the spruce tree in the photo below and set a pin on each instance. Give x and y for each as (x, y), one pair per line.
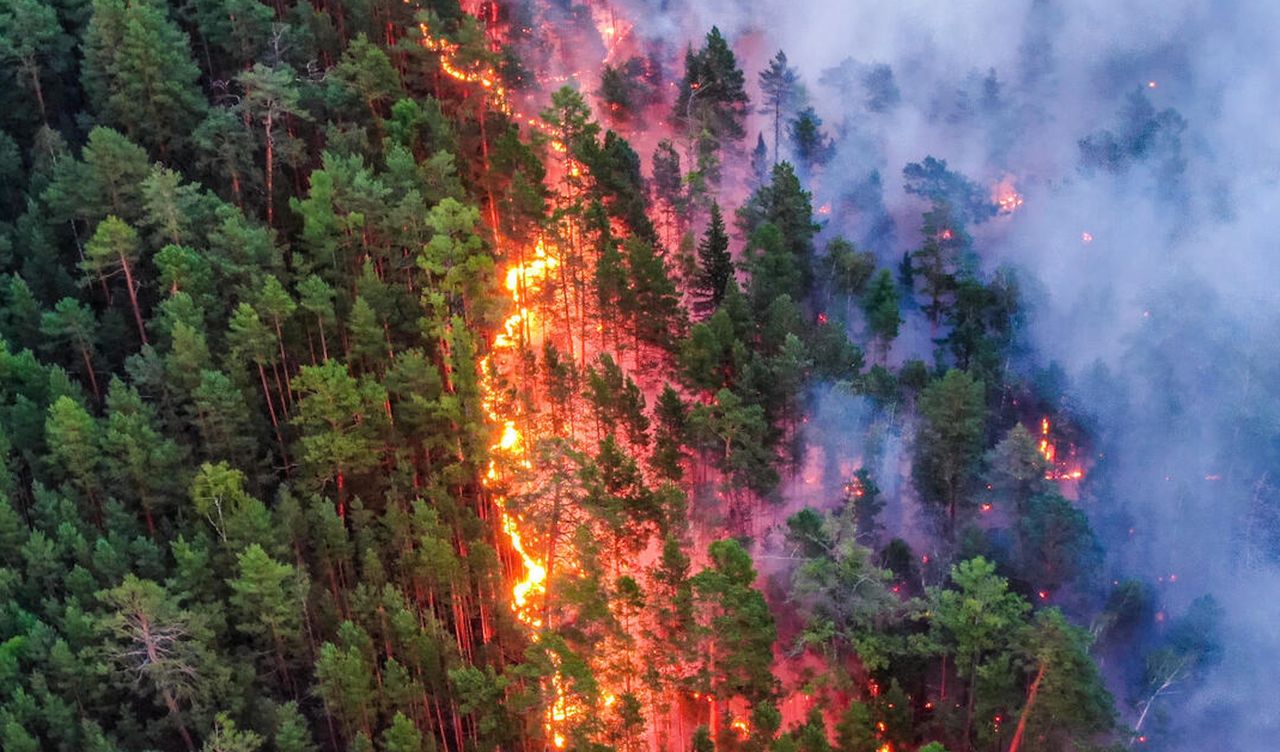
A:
(715, 265)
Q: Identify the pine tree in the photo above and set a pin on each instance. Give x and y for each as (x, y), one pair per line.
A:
(143, 78)
(738, 626)
(137, 458)
(269, 598)
(715, 265)
(669, 186)
(155, 643)
(976, 622)
(114, 249)
(336, 416)
(759, 162)
(270, 96)
(949, 441)
(72, 322)
(780, 84)
(712, 94)
(32, 41)
(74, 440)
(225, 737)
(881, 307)
(812, 148)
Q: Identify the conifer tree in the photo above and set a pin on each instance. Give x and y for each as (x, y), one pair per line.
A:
(715, 265)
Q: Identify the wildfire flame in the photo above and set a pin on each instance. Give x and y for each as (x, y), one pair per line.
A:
(1057, 470)
(522, 280)
(479, 73)
(1006, 196)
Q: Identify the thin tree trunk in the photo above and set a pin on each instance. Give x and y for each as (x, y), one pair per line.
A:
(969, 705)
(93, 377)
(271, 204)
(1026, 709)
(39, 91)
(133, 298)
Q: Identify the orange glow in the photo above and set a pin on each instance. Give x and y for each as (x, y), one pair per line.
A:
(1005, 196)
(986, 507)
(886, 747)
(824, 209)
(1057, 470)
(741, 726)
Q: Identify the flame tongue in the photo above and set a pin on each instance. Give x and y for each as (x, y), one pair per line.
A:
(520, 280)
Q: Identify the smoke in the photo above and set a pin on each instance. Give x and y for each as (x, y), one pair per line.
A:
(1140, 134)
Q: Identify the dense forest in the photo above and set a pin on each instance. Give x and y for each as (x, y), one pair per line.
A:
(365, 384)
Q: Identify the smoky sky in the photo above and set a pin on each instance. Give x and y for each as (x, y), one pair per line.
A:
(1142, 135)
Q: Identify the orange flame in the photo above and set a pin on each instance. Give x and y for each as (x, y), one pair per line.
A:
(1057, 470)
(481, 74)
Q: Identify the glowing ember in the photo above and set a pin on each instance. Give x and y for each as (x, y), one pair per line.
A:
(1086, 238)
(986, 507)
(741, 726)
(825, 209)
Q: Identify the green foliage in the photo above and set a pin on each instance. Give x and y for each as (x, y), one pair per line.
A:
(712, 96)
(139, 73)
(949, 441)
(715, 265)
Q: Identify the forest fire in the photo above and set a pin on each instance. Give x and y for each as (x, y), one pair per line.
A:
(1057, 469)
(1006, 196)
(494, 399)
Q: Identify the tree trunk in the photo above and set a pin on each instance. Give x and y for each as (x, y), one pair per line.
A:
(133, 297)
(271, 205)
(1026, 709)
(39, 92)
(969, 704)
(324, 345)
(93, 377)
(170, 702)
